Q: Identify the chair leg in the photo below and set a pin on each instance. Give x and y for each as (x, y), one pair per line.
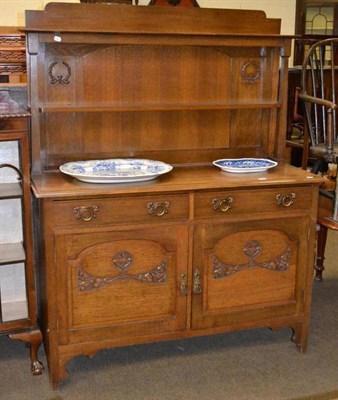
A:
(335, 202)
(321, 243)
(318, 166)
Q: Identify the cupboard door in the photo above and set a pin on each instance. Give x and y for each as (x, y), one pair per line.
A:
(120, 284)
(249, 271)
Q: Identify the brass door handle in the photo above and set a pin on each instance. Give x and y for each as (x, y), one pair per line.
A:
(197, 282)
(158, 208)
(285, 200)
(222, 205)
(85, 213)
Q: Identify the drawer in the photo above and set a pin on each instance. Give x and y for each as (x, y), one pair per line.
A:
(121, 210)
(251, 201)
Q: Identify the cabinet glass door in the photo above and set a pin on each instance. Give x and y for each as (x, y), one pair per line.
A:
(13, 297)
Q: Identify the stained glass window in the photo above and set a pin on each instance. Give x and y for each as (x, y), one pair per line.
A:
(319, 20)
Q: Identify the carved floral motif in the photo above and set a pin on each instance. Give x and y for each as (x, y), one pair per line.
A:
(12, 69)
(252, 250)
(122, 261)
(14, 56)
(12, 41)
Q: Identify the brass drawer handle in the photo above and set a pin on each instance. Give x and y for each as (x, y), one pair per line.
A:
(183, 286)
(197, 282)
(158, 209)
(285, 200)
(85, 213)
(222, 205)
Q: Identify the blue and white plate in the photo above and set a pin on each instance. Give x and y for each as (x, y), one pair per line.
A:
(116, 170)
(244, 165)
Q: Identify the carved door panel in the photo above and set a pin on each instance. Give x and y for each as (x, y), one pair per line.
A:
(121, 284)
(248, 271)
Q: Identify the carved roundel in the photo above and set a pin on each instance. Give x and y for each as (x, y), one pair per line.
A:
(250, 71)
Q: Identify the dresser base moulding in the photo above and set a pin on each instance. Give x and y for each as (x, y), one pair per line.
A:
(66, 353)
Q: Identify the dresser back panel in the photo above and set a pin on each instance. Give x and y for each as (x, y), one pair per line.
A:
(176, 103)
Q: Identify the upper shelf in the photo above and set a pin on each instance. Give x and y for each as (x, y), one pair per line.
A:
(10, 190)
(154, 107)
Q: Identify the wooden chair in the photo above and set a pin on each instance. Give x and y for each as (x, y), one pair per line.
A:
(319, 83)
(295, 129)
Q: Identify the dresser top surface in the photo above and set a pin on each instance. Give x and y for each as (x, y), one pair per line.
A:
(179, 180)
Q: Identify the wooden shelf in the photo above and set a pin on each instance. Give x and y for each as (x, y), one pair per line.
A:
(12, 253)
(13, 311)
(10, 191)
(21, 112)
(155, 107)
(13, 85)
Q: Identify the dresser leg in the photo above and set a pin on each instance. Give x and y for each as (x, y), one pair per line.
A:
(34, 339)
(321, 243)
(299, 336)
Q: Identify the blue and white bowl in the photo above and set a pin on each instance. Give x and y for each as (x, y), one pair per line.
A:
(244, 165)
(116, 170)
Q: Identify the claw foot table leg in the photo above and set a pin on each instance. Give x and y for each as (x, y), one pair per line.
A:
(34, 339)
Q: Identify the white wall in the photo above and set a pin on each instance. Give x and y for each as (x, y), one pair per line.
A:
(12, 12)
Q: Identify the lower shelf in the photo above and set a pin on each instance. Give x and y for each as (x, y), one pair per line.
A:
(14, 311)
(12, 253)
